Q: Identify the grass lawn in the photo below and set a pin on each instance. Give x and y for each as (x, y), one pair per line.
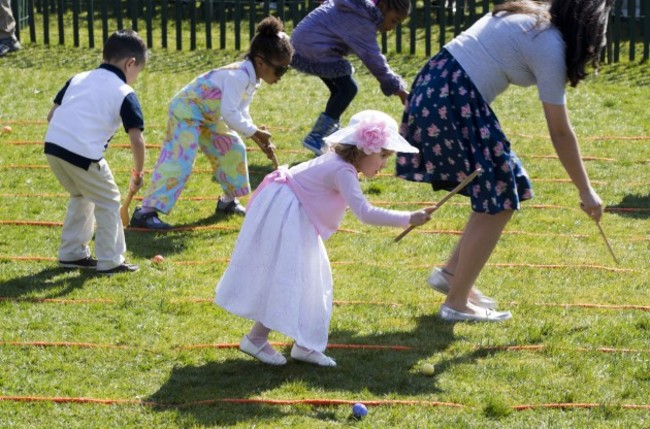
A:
(150, 350)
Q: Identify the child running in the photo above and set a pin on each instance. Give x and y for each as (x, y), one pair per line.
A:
(86, 113)
(210, 113)
(331, 32)
(279, 273)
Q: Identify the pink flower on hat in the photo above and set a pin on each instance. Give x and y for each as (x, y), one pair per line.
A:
(371, 136)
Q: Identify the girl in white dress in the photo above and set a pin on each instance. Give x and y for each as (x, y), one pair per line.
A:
(279, 273)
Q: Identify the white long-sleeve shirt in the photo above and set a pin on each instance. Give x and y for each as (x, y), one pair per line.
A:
(221, 94)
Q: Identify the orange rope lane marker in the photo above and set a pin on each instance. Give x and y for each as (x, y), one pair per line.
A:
(314, 402)
(335, 302)
(285, 344)
(61, 344)
(523, 347)
(59, 300)
(540, 347)
(571, 405)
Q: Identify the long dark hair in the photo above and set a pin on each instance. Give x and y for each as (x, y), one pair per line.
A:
(582, 25)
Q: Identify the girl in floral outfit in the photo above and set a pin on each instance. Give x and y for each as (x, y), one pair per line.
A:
(279, 273)
(210, 113)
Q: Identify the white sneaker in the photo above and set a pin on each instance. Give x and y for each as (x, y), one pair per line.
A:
(258, 353)
(439, 282)
(484, 315)
(311, 356)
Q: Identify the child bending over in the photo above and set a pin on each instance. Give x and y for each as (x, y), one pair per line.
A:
(279, 274)
(86, 113)
(209, 114)
(330, 33)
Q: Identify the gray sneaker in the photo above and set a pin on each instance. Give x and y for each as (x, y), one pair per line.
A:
(231, 207)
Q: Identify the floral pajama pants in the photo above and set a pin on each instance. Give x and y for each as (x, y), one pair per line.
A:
(224, 148)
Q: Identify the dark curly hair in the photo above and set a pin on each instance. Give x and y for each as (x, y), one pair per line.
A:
(270, 41)
(582, 24)
(399, 6)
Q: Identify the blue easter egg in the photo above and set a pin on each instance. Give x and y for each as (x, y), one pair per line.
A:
(359, 410)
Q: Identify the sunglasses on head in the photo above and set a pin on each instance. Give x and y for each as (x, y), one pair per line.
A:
(279, 71)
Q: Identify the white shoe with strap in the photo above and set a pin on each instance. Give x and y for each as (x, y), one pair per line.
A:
(258, 352)
(438, 281)
(311, 356)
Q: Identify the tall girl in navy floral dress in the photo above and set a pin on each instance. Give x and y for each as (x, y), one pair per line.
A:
(449, 118)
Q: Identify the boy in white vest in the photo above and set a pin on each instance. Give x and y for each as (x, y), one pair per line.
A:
(87, 112)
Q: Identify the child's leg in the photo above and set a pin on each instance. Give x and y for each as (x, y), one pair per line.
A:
(342, 91)
(477, 243)
(227, 155)
(259, 335)
(174, 165)
(109, 232)
(256, 344)
(97, 187)
(79, 221)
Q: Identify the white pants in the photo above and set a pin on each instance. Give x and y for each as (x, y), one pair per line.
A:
(94, 196)
(7, 21)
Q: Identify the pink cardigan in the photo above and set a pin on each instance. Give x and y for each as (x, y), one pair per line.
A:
(325, 187)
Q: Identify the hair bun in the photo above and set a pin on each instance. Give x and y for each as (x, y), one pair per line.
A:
(270, 26)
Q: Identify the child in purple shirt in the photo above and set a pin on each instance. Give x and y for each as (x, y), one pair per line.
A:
(331, 32)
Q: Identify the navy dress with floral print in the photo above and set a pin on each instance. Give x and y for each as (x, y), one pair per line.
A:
(456, 131)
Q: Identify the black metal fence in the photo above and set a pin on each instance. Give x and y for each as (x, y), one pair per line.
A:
(223, 24)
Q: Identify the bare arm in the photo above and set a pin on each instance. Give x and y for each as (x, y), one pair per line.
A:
(51, 113)
(565, 143)
(137, 148)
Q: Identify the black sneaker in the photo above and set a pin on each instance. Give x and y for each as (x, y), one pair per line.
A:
(85, 263)
(231, 207)
(147, 220)
(123, 268)
(7, 45)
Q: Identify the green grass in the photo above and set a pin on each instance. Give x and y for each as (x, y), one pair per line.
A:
(550, 254)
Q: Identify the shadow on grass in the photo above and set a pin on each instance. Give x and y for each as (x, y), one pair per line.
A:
(633, 202)
(59, 281)
(360, 374)
(147, 244)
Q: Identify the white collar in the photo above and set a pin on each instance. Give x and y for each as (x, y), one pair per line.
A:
(249, 68)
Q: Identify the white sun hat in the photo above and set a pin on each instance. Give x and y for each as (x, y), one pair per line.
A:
(371, 131)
